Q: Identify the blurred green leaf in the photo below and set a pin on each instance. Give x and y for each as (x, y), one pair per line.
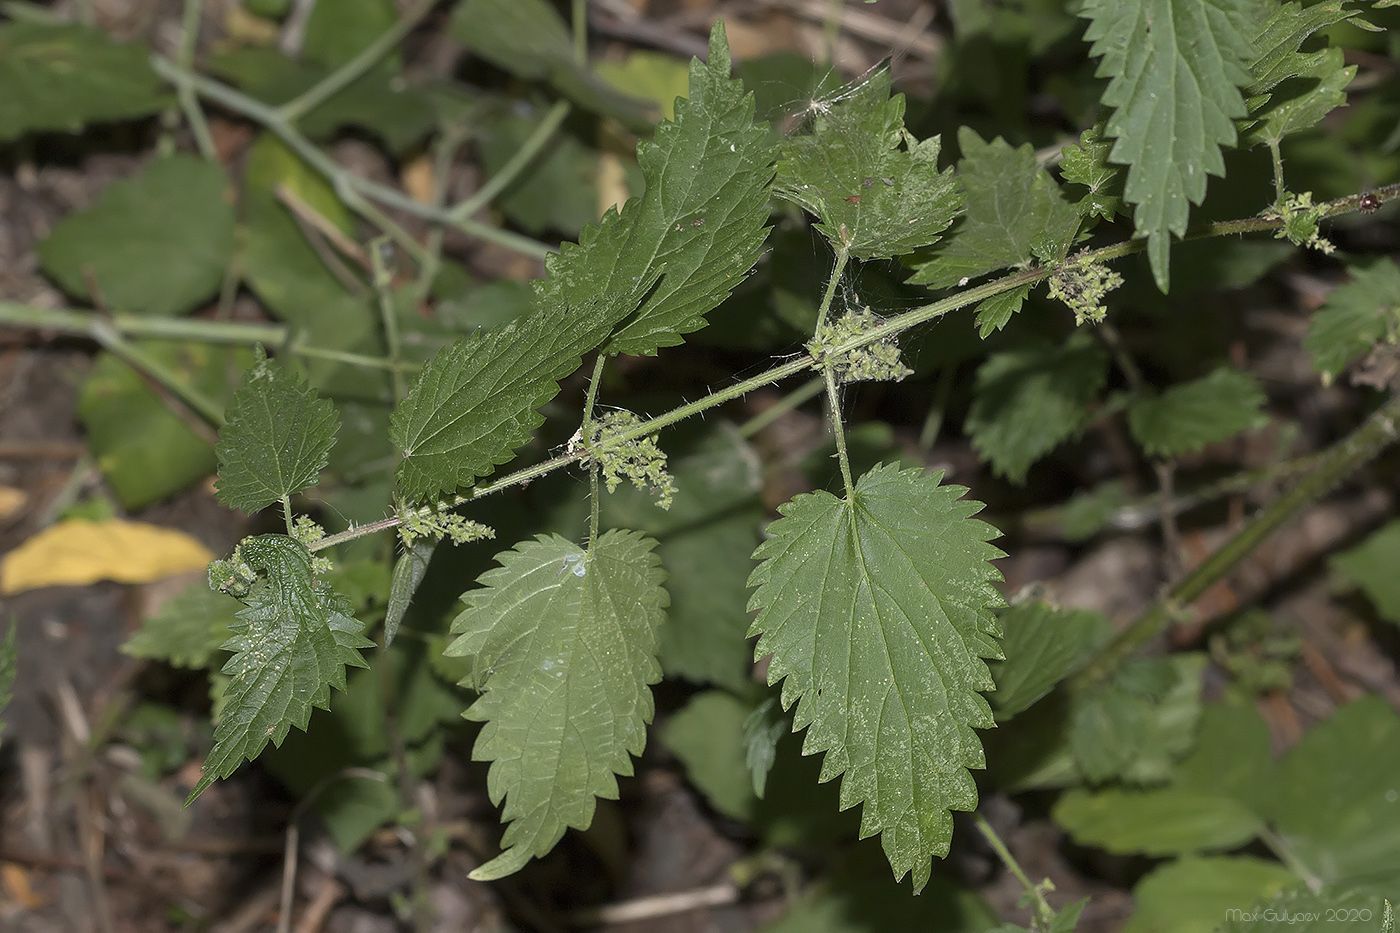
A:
(557, 191)
(1043, 645)
(1355, 317)
(1194, 895)
(61, 77)
(153, 244)
(1190, 415)
(143, 447)
(189, 629)
(707, 735)
(1372, 566)
(1029, 401)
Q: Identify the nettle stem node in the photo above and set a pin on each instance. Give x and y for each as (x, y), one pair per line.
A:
(875, 362)
(1082, 286)
(641, 461)
(1300, 219)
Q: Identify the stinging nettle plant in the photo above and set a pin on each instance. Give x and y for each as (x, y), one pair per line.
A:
(876, 605)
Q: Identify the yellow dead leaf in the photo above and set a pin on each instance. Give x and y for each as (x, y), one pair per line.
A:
(78, 552)
(612, 183)
(11, 501)
(418, 179)
(16, 882)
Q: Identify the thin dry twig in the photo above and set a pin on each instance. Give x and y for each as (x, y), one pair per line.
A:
(657, 905)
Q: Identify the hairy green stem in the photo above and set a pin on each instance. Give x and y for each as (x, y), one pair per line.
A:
(838, 430)
(518, 162)
(586, 439)
(843, 256)
(298, 107)
(340, 179)
(1044, 914)
(1375, 434)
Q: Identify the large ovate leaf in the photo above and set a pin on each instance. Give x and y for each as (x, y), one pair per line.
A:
(277, 440)
(60, 77)
(1355, 317)
(154, 244)
(562, 643)
(1177, 67)
(700, 224)
(1043, 645)
(291, 645)
(1014, 211)
(1191, 415)
(1030, 400)
(874, 187)
(876, 612)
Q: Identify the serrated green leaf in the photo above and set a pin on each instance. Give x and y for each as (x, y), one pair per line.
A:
(1299, 910)
(700, 222)
(477, 400)
(1188, 416)
(188, 630)
(1086, 163)
(60, 77)
(994, 313)
(1335, 793)
(145, 449)
(529, 39)
(562, 643)
(277, 440)
(409, 571)
(1134, 727)
(763, 729)
(1194, 895)
(1029, 401)
(1288, 27)
(1177, 67)
(153, 244)
(1043, 645)
(291, 645)
(1355, 317)
(707, 735)
(876, 614)
(871, 195)
(1014, 210)
(1319, 89)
